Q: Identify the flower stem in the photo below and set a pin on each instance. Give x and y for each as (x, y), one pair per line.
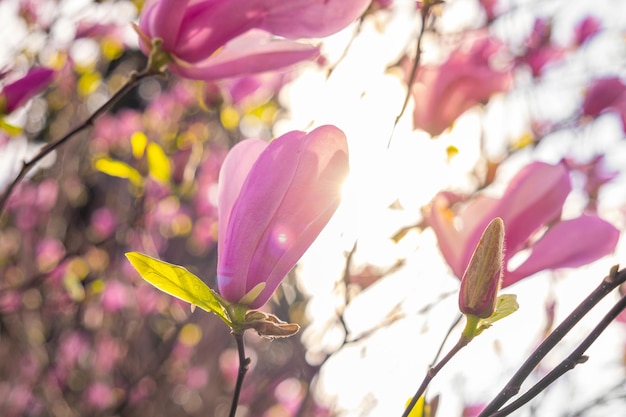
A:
(243, 368)
(416, 62)
(608, 284)
(133, 80)
(432, 372)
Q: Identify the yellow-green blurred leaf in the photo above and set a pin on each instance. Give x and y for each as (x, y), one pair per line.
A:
(177, 282)
(138, 142)
(229, 117)
(524, 140)
(451, 152)
(10, 129)
(420, 409)
(88, 83)
(158, 163)
(111, 48)
(118, 169)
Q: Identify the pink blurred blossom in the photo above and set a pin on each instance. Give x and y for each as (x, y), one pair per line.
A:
(103, 222)
(253, 89)
(210, 39)
(607, 94)
(531, 210)
(100, 395)
(10, 301)
(17, 93)
(466, 78)
(106, 353)
(146, 299)
(491, 8)
(116, 296)
(540, 51)
(274, 200)
(586, 29)
(472, 410)
(595, 174)
(48, 253)
(197, 377)
(74, 347)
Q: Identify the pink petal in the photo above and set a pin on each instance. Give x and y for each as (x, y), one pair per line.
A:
(568, 244)
(208, 25)
(603, 93)
(458, 235)
(442, 93)
(251, 213)
(19, 92)
(310, 18)
(288, 197)
(233, 173)
(162, 19)
(249, 54)
(534, 198)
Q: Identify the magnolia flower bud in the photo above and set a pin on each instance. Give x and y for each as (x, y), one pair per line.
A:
(481, 280)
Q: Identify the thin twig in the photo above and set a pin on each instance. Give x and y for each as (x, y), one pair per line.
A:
(243, 368)
(134, 79)
(433, 371)
(418, 54)
(575, 358)
(613, 280)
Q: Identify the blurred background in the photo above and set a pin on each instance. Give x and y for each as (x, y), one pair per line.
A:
(82, 335)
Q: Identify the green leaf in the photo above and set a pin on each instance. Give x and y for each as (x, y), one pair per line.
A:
(505, 306)
(178, 282)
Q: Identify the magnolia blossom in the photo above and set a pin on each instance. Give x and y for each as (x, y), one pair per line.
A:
(209, 39)
(273, 201)
(586, 29)
(540, 51)
(607, 94)
(17, 93)
(467, 78)
(531, 211)
(481, 280)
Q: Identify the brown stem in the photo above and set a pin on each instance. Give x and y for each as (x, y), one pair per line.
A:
(418, 54)
(432, 372)
(609, 283)
(575, 358)
(243, 368)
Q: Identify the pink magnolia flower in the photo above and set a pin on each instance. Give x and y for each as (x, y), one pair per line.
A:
(540, 50)
(17, 93)
(531, 210)
(467, 78)
(273, 201)
(586, 29)
(209, 39)
(606, 94)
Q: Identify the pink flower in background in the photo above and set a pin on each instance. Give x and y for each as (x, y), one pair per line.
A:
(595, 174)
(209, 39)
(531, 210)
(273, 201)
(17, 93)
(116, 296)
(586, 29)
(540, 50)
(607, 94)
(491, 8)
(467, 78)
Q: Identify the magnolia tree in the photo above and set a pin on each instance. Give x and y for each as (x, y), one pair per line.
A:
(388, 207)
